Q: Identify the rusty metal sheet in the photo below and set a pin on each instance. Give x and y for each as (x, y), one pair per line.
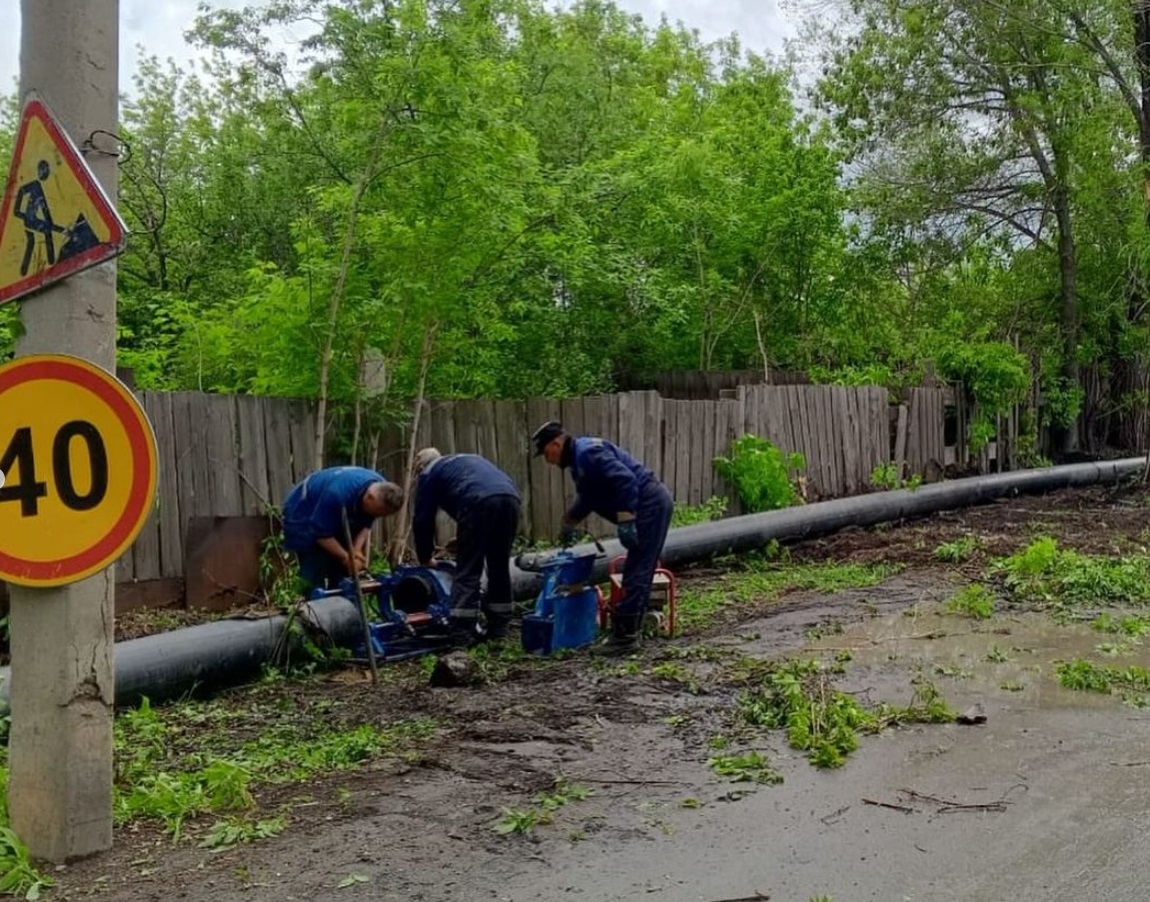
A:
(223, 561)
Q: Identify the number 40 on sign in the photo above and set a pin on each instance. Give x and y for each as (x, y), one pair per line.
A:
(77, 470)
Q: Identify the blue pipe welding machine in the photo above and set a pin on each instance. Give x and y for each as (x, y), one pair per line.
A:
(412, 610)
(567, 609)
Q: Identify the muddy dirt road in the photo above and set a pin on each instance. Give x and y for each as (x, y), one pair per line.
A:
(1046, 800)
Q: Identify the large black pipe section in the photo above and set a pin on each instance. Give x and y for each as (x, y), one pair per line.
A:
(216, 655)
(229, 652)
(752, 531)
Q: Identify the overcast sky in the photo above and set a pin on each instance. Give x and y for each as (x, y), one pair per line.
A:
(158, 27)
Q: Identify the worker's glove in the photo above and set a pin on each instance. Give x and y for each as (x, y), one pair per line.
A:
(629, 534)
(568, 536)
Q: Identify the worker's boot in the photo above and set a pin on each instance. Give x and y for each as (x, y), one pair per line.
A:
(465, 632)
(624, 638)
(497, 629)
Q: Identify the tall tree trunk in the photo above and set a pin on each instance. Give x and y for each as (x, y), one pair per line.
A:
(360, 389)
(403, 530)
(1066, 436)
(336, 301)
(761, 341)
(1142, 63)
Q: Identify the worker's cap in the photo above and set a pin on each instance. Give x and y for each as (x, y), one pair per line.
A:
(546, 434)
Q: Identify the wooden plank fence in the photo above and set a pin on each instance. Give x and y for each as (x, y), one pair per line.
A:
(844, 433)
(700, 385)
(219, 456)
(226, 456)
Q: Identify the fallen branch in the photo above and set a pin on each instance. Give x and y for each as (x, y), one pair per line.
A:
(905, 809)
(635, 782)
(934, 634)
(757, 897)
(835, 815)
(948, 805)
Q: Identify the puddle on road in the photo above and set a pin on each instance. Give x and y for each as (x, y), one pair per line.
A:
(967, 655)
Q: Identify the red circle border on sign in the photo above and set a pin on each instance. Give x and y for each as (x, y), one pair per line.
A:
(138, 431)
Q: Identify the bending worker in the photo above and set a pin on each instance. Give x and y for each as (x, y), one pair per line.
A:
(314, 515)
(611, 483)
(484, 503)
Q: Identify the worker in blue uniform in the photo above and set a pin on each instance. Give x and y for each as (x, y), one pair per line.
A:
(484, 503)
(611, 483)
(315, 512)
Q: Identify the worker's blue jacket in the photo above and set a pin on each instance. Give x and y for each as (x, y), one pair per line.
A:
(454, 483)
(314, 508)
(607, 479)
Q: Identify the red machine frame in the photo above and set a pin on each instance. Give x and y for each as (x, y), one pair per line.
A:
(607, 605)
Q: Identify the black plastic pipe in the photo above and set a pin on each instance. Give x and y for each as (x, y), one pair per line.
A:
(229, 652)
(753, 531)
(214, 655)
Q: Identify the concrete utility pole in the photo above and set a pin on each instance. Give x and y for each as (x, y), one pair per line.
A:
(60, 750)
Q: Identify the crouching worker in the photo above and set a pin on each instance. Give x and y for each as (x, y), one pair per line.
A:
(611, 483)
(313, 521)
(484, 503)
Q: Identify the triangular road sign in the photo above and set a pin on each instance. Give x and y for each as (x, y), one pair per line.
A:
(55, 219)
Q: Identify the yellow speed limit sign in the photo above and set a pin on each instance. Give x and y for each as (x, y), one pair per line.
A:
(77, 470)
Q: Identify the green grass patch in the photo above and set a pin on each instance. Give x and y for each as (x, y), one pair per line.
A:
(524, 821)
(1086, 676)
(1130, 626)
(759, 583)
(1046, 576)
(750, 767)
(974, 601)
(800, 697)
(714, 508)
(19, 875)
(176, 763)
(227, 834)
(959, 550)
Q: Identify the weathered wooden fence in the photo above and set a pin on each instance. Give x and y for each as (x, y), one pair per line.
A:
(222, 460)
(843, 433)
(701, 385)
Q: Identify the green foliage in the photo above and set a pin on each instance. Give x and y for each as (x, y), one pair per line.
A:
(750, 767)
(974, 601)
(155, 781)
(763, 476)
(279, 573)
(765, 582)
(995, 376)
(563, 793)
(18, 875)
(515, 820)
(714, 508)
(1045, 575)
(227, 834)
(885, 476)
(505, 183)
(1131, 683)
(958, 551)
(1132, 626)
(799, 696)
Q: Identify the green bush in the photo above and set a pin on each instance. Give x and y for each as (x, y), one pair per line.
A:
(1045, 575)
(764, 476)
(885, 476)
(689, 514)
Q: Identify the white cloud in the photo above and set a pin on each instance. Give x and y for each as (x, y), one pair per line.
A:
(158, 27)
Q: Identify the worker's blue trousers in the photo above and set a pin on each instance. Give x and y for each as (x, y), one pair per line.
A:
(654, 519)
